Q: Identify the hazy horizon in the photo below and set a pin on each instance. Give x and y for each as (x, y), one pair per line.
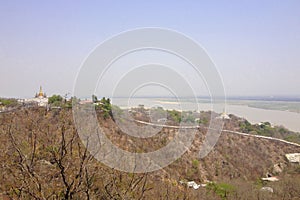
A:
(228, 97)
(255, 45)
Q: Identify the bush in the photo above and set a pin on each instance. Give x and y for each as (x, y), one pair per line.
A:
(195, 163)
(221, 189)
(55, 100)
(105, 105)
(188, 117)
(8, 102)
(175, 115)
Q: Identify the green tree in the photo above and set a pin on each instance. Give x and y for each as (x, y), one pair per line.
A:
(223, 190)
(94, 98)
(175, 115)
(106, 107)
(55, 100)
(8, 102)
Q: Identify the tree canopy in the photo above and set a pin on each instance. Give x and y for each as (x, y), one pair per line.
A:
(55, 100)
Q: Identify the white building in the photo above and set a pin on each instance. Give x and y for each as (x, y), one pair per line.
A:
(223, 116)
(293, 157)
(40, 98)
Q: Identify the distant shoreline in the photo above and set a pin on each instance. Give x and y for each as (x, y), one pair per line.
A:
(229, 98)
(276, 98)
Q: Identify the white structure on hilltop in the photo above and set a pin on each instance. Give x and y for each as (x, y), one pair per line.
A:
(223, 116)
(193, 184)
(271, 179)
(267, 189)
(293, 157)
(40, 99)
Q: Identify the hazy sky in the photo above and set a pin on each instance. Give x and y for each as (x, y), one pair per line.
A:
(255, 44)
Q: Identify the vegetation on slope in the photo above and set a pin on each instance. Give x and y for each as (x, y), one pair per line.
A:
(265, 129)
(42, 157)
(8, 102)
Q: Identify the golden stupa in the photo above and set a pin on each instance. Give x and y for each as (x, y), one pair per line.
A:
(41, 94)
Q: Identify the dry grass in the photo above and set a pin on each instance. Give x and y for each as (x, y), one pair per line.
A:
(42, 157)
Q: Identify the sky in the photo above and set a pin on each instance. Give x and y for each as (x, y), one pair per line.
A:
(255, 45)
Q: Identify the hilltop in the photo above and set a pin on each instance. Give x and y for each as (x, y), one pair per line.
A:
(43, 158)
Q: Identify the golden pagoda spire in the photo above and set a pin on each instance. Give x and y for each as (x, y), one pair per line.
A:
(41, 94)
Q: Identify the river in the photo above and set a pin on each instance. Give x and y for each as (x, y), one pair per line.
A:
(290, 120)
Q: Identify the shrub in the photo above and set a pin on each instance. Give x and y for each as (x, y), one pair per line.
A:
(221, 189)
(8, 102)
(55, 100)
(195, 163)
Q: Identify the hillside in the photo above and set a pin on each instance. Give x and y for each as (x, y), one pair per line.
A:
(43, 158)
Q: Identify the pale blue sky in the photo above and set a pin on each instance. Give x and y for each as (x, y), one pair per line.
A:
(255, 44)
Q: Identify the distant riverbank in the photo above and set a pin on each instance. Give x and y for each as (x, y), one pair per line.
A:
(252, 110)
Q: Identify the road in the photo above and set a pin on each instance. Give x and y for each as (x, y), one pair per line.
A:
(227, 131)
(196, 127)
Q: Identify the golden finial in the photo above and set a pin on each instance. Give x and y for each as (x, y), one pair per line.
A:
(41, 94)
